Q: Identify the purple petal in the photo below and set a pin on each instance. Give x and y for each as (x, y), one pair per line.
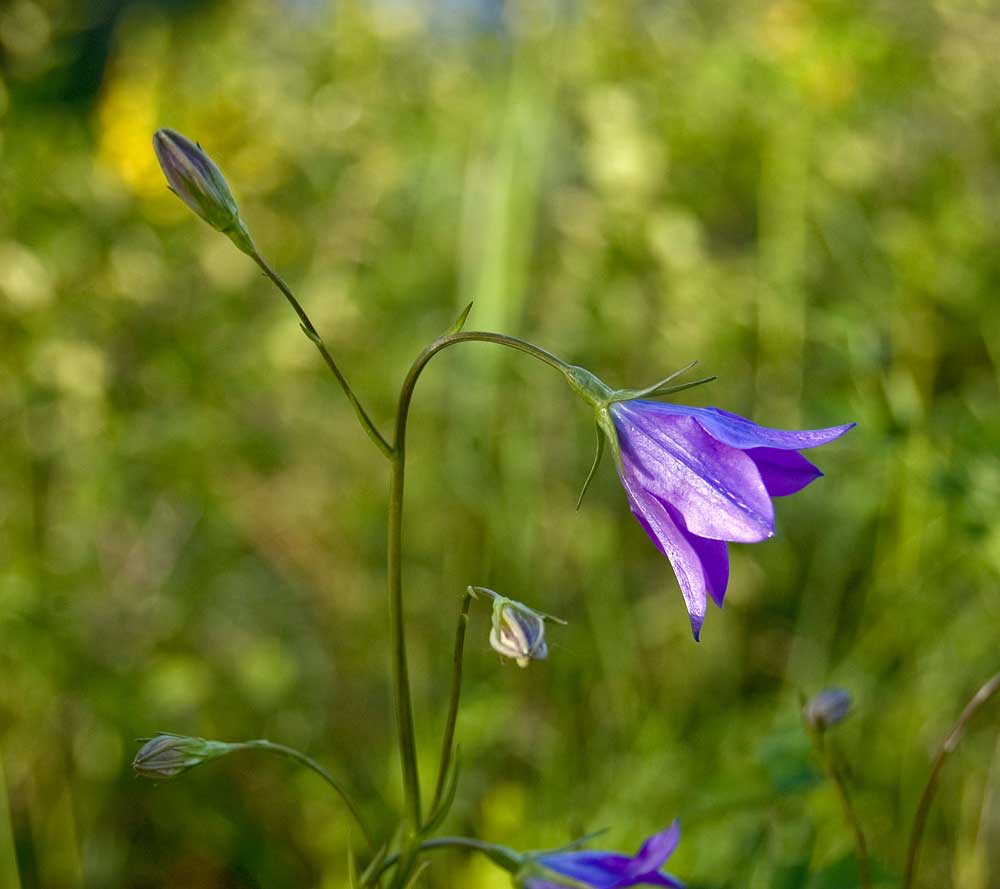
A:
(713, 555)
(656, 522)
(783, 472)
(602, 870)
(739, 432)
(715, 487)
(656, 850)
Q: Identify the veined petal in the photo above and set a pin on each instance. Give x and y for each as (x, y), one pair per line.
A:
(739, 432)
(714, 486)
(675, 545)
(714, 557)
(783, 472)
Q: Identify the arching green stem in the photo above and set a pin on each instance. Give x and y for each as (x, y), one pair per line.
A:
(310, 763)
(397, 456)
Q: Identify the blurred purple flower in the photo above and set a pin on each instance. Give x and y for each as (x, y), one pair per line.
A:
(608, 870)
(698, 477)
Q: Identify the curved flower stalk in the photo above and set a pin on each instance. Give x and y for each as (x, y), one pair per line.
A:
(604, 870)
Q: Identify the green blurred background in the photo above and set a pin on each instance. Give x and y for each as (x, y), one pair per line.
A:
(802, 194)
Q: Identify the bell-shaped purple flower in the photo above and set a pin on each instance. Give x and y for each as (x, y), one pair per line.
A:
(606, 870)
(699, 477)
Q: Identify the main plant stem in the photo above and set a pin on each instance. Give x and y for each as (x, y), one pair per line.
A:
(397, 457)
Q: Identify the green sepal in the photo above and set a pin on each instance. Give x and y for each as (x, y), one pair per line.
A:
(239, 234)
(352, 867)
(416, 874)
(655, 389)
(374, 867)
(593, 469)
(459, 322)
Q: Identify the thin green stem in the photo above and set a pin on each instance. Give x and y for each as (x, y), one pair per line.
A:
(502, 856)
(850, 813)
(979, 699)
(310, 331)
(448, 739)
(400, 673)
(310, 763)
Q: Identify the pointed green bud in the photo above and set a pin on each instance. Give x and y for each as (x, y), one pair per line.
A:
(168, 755)
(517, 631)
(197, 181)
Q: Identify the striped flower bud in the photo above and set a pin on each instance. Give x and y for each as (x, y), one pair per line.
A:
(168, 755)
(197, 181)
(517, 631)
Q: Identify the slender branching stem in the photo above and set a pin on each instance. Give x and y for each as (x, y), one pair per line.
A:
(448, 739)
(839, 778)
(979, 699)
(310, 331)
(310, 763)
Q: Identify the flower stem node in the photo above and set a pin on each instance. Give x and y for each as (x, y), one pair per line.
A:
(830, 706)
(168, 755)
(517, 631)
(196, 180)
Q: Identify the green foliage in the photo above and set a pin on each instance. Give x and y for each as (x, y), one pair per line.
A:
(801, 194)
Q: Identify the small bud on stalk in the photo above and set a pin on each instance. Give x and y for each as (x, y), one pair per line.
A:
(827, 708)
(518, 632)
(168, 755)
(197, 181)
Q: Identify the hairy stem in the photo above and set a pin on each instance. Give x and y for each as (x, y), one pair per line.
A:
(979, 699)
(310, 331)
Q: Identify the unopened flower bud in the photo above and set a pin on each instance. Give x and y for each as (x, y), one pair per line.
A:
(168, 755)
(197, 181)
(517, 632)
(827, 708)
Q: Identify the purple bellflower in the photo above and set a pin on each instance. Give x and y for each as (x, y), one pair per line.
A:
(605, 870)
(697, 478)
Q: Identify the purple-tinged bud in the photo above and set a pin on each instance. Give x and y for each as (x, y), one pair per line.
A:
(197, 181)
(168, 755)
(827, 708)
(517, 631)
